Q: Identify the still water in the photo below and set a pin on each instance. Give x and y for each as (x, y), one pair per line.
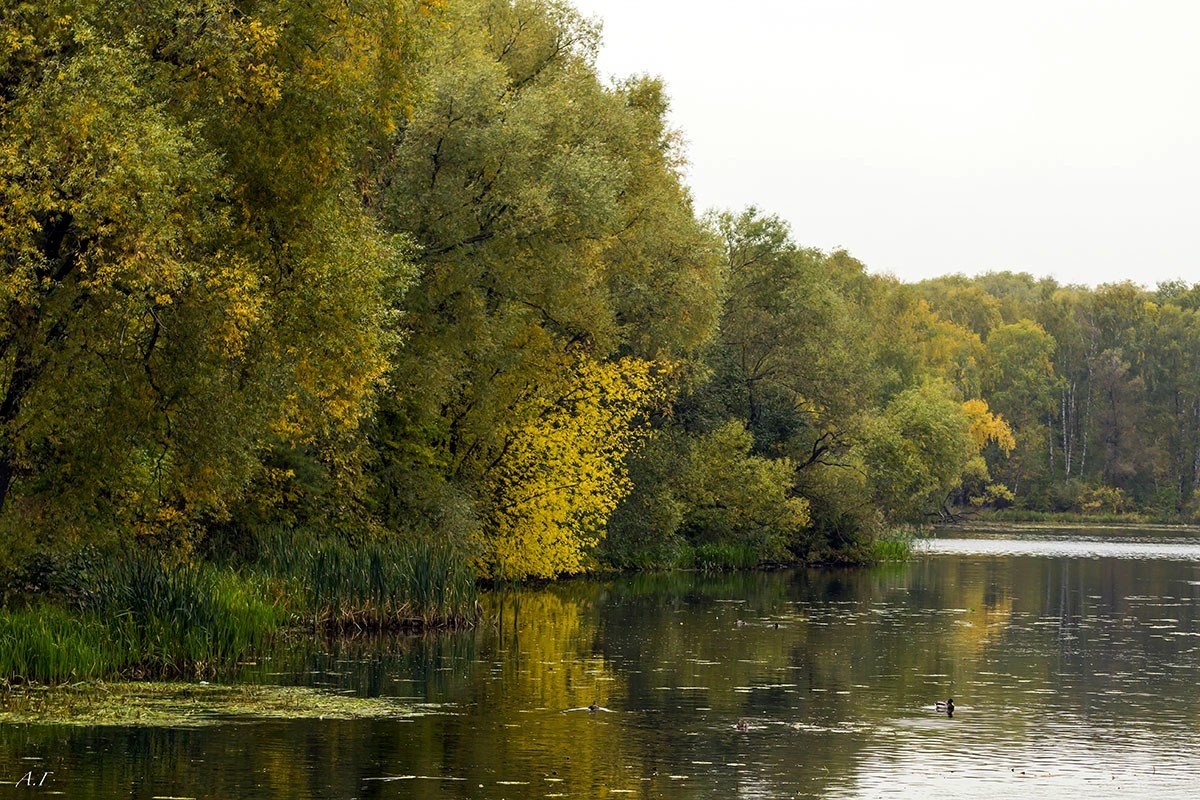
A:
(1073, 661)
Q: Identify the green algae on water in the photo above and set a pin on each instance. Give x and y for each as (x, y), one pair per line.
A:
(186, 704)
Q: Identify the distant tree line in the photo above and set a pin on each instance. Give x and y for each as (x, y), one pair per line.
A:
(1101, 387)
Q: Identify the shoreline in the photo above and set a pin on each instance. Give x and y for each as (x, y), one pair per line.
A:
(1067, 522)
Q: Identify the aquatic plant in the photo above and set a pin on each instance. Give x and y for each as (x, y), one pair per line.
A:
(182, 619)
(385, 583)
(48, 643)
(722, 556)
(893, 546)
(135, 614)
(186, 704)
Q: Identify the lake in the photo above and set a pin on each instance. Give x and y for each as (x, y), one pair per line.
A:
(1073, 659)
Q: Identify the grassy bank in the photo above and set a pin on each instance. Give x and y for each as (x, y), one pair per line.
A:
(892, 545)
(134, 616)
(1022, 515)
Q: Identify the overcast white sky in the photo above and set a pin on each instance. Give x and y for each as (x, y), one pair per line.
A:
(1059, 137)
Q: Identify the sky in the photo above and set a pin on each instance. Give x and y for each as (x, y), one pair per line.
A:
(1057, 137)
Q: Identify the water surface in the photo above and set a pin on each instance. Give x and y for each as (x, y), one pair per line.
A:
(1074, 662)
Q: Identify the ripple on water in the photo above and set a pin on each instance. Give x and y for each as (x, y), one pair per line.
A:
(1073, 672)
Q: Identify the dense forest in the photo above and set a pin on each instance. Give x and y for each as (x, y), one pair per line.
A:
(376, 272)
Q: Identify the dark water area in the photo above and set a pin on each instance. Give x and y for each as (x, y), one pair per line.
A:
(1074, 665)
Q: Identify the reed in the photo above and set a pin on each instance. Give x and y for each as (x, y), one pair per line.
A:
(722, 556)
(181, 620)
(132, 615)
(387, 583)
(49, 644)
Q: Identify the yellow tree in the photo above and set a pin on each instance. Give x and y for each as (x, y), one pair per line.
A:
(561, 470)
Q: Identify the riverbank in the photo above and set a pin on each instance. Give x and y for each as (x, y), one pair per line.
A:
(894, 545)
(1132, 519)
(134, 616)
(1046, 521)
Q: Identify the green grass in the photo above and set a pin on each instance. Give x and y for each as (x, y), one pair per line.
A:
(131, 615)
(1029, 515)
(893, 546)
(138, 618)
(49, 644)
(377, 585)
(721, 557)
(186, 619)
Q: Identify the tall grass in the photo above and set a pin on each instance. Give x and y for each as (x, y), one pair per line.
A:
(137, 617)
(379, 584)
(49, 644)
(176, 620)
(132, 615)
(897, 546)
(721, 556)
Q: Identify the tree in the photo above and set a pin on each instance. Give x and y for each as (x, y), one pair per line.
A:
(920, 449)
(1020, 382)
(188, 276)
(550, 224)
(560, 472)
(707, 489)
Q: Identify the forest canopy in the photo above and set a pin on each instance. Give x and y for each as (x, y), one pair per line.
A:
(412, 270)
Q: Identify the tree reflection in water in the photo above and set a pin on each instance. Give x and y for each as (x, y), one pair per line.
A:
(1065, 670)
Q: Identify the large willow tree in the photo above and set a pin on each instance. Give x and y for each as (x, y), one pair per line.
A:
(188, 274)
(552, 231)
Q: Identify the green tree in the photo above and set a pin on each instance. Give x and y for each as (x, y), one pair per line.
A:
(189, 277)
(550, 221)
(1020, 383)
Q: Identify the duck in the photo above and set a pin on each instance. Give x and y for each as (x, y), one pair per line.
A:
(594, 706)
(946, 706)
(742, 725)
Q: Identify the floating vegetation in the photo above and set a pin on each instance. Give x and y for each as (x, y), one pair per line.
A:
(186, 704)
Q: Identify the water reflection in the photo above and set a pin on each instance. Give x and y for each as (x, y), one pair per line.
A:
(1071, 674)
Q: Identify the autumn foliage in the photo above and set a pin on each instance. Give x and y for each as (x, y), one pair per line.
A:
(406, 270)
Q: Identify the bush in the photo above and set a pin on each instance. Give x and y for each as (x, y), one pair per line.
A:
(1105, 500)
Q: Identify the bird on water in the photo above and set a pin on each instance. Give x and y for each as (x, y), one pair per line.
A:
(946, 706)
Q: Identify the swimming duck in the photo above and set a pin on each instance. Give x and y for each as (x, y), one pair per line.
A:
(742, 725)
(946, 706)
(594, 706)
